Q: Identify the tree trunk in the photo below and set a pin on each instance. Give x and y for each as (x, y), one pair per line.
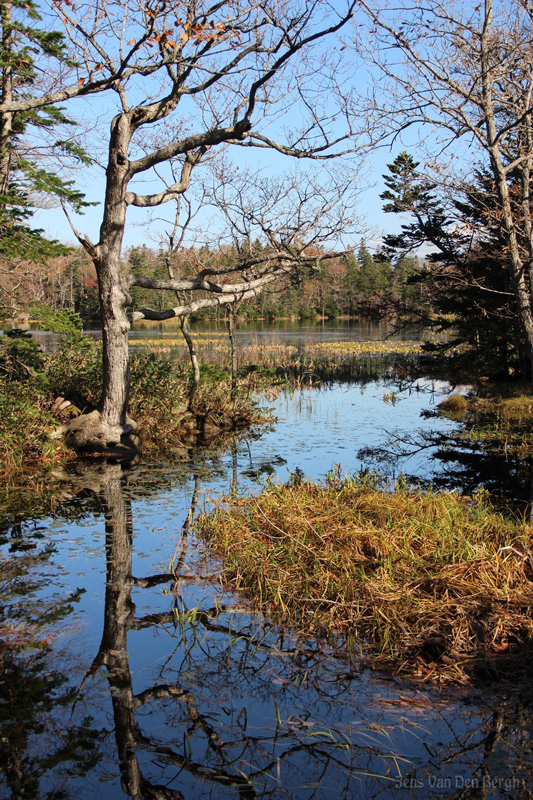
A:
(516, 263)
(193, 355)
(6, 117)
(115, 326)
(109, 431)
(184, 325)
(113, 292)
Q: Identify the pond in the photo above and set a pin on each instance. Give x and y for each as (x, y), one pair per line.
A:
(128, 671)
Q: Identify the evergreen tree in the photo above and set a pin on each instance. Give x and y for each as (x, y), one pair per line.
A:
(407, 287)
(410, 192)
(367, 279)
(465, 280)
(21, 43)
(352, 283)
(152, 264)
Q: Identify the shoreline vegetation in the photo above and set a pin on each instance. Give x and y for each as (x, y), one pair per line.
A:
(34, 383)
(41, 391)
(427, 584)
(437, 586)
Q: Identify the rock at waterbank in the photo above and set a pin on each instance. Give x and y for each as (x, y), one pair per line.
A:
(89, 433)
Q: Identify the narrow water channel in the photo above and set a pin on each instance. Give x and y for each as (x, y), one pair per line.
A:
(129, 672)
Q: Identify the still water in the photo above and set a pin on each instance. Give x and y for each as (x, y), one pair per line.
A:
(129, 672)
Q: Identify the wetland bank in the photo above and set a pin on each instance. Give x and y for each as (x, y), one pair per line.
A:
(134, 665)
(267, 603)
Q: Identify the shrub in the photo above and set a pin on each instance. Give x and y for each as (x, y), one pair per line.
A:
(26, 422)
(21, 359)
(77, 367)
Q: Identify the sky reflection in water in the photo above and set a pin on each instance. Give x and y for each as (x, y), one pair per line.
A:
(123, 678)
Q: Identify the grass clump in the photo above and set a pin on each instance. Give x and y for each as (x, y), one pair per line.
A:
(27, 454)
(427, 583)
(158, 395)
(455, 404)
(501, 419)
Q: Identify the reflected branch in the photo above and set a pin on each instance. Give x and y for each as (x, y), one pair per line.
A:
(119, 619)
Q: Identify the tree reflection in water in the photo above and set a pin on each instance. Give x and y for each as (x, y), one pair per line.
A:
(196, 697)
(241, 709)
(36, 700)
(119, 619)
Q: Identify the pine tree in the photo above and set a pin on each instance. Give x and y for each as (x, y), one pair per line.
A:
(21, 43)
(465, 279)
(410, 192)
(351, 283)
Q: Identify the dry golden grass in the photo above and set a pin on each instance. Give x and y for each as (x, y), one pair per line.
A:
(281, 352)
(454, 404)
(426, 583)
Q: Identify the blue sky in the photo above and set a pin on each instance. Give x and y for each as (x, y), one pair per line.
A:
(96, 114)
(138, 231)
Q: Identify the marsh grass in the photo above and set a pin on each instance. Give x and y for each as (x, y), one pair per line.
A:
(325, 349)
(427, 583)
(285, 358)
(25, 399)
(455, 405)
(263, 366)
(24, 415)
(501, 420)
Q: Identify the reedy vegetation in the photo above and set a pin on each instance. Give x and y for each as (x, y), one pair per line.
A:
(31, 381)
(432, 584)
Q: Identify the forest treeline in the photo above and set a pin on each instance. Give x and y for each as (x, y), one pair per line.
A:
(356, 284)
(462, 286)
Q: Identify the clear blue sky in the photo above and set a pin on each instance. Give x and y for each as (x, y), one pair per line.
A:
(91, 181)
(96, 114)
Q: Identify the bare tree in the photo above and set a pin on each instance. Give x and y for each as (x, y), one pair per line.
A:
(464, 75)
(224, 74)
(266, 230)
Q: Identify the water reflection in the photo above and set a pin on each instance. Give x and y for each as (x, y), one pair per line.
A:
(36, 699)
(238, 751)
(127, 670)
(206, 700)
(459, 464)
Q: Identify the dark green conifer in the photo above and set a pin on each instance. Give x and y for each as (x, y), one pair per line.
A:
(21, 42)
(465, 280)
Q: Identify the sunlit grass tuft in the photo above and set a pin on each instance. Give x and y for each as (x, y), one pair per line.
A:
(428, 583)
(455, 404)
(502, 420)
